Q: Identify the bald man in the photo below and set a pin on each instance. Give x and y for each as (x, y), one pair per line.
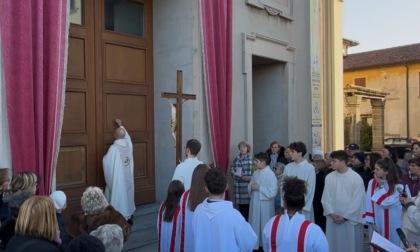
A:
(118, 172)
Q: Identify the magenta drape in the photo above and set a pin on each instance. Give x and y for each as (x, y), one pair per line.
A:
(217, 49)
(34, 35)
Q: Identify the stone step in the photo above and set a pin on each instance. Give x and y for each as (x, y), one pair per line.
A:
(143, 236)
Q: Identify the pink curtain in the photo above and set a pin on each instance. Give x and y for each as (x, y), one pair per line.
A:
(217, 43)
(34, 39)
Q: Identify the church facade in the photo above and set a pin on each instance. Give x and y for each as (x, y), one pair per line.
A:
(285, 75)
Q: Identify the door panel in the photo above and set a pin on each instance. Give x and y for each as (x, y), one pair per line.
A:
(109, 75)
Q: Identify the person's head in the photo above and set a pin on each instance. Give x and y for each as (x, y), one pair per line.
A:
(386, 169)
(86, 243)
(175, 191)
(294, 191)
(244, 147)
(297, 150)
(37, 218)
(197, 191)
(16, 201)
(192, 147)
(415, 149)
(327, 158)
(358, 158)
(24, 181)
(59, 199)
(216, 182)
(353, 148)
(4, 179)
(414, 165)
(274, 147)
(261, 160)
(318, 154)
(319, 165)
(339, 159)
(119, 133)
(111, 235)
(287, 153)
(389, 152)
(93, 201)
(371, 159)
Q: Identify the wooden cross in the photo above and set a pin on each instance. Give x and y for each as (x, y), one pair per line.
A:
(180, 98)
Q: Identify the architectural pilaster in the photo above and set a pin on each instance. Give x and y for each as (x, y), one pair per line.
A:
(378, 107)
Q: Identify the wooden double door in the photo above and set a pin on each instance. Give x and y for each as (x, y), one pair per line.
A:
(109, 75)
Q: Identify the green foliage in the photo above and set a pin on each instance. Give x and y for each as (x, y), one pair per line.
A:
(366, 137)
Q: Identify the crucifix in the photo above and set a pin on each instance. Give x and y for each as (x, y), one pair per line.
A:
(176, 113)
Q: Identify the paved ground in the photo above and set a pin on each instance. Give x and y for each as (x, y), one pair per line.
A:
(143, 236)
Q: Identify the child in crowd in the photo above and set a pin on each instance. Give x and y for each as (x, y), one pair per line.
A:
(59, 199)
(263, 189)
(167, 218)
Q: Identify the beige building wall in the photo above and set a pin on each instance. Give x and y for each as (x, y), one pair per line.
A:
(402, 106)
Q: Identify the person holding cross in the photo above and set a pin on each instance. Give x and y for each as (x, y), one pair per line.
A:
(183, 171)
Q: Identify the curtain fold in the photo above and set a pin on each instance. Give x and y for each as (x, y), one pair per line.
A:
(216, 17)
(34, 45)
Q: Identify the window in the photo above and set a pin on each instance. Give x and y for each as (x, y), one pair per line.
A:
(361, 82)
(124, 16)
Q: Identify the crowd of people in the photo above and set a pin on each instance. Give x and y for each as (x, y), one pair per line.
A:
(284, 201)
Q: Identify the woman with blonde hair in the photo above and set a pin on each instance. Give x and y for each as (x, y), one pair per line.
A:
(36, 227)
(21, 181)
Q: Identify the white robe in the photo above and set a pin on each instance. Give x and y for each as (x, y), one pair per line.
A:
(411, 221)
(184, 224)
(183, 171)
(384, 210)
(118, 164)
(261, 207)
(344, 195)
(168, 240)
(287, 235)
(306, 172)
(217, 226)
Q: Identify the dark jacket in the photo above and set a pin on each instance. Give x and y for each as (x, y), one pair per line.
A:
(7, 231)
(83, 224)
(30, 244)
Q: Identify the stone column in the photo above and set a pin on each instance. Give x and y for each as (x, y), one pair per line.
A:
(378, 107)
(353, 108)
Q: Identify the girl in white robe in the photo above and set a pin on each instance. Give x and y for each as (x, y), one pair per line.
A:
(168, 240)
(291, 231)
(382, 206)
(188, 203)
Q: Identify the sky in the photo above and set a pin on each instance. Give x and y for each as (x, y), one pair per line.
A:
(379, 24)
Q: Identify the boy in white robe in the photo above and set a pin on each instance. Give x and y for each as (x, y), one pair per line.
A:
(291, 231)
(305, 171)
(118, 164)
(263, 189)
(217, 225)
(343, 201)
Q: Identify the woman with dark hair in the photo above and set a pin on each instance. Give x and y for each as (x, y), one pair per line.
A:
(389, 152)
(276, 154)
(321, 172)
(370, 162)
(189, 202)
(382, 207)
(36, 227)
(289, 227)
(168, 212)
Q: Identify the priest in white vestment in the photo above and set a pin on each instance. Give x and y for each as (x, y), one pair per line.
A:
(118, 167)
(305, 171)
(343, 201)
